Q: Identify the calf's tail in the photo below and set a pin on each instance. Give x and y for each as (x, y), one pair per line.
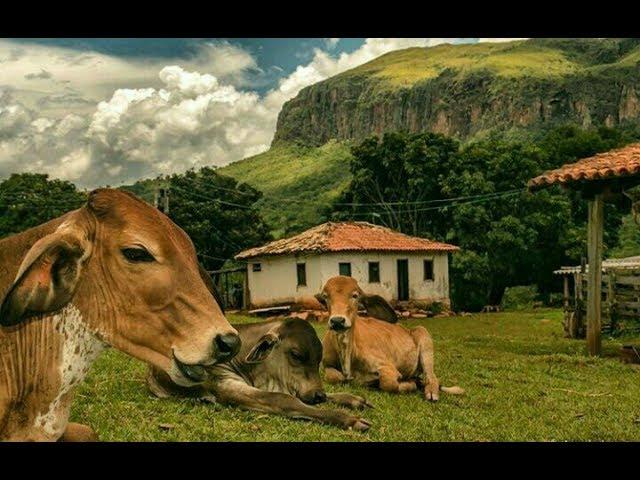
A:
(455, 390)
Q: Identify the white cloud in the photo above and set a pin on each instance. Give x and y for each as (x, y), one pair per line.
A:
(188, 114)
(499, 40)
(331, 43)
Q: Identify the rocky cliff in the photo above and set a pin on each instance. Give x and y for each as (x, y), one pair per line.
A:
(468, 90)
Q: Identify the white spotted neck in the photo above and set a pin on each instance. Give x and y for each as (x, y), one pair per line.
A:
(80, 347)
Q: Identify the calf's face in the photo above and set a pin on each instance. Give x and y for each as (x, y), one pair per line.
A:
(135, 279)
(343, 298)
(288, 358)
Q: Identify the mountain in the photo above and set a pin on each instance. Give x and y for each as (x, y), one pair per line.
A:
(468, 90)
(465, 91)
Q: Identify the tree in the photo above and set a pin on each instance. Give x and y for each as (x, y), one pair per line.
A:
(30, 199)
(475, 196)
(392, 176)
(217, 213)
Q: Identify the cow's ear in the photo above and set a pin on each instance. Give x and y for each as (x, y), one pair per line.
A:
(47, 278)
(378, 307)
(321, 299)
(263, 348)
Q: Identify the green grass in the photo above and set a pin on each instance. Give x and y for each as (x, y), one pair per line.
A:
(537, 58)
(513, 59)
(296, 181)
(523, 382)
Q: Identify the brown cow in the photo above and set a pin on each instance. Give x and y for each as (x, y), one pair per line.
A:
(114, 272)
(375, 352)
(276, 371)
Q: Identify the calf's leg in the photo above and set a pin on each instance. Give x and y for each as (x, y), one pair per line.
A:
(348, 400)
(424, 343)
(332, 375)
(77, 432)
(390, 381)
(237, 392)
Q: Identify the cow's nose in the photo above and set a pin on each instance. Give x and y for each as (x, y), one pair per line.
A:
(227, 346)
(337, 322)
(320, 397)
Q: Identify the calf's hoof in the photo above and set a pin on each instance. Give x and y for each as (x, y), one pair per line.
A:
(432, 392)
(76, 432)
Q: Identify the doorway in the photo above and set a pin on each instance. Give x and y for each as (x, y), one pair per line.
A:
(403, 280)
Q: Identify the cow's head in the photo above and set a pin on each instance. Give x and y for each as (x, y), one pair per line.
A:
(342, 297)
(289, 356)
(135, 279)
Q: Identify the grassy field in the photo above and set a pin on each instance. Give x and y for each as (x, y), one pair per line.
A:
(523, 382)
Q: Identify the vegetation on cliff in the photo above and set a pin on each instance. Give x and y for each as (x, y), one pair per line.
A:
(468, 91)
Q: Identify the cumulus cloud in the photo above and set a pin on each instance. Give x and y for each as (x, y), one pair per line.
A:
(500, 40)
(42, 75)
(191, 121)
(188, 115)
(331, 43)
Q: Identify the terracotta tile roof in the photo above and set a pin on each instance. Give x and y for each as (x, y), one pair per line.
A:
(347, 236)
(622, 162)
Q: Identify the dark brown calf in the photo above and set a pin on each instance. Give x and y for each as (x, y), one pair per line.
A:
(276, 371)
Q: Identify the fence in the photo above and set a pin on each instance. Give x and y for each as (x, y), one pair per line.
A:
(232, 286)
(620, 302)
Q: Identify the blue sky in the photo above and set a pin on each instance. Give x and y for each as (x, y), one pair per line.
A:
(276, 57)
(111, 111)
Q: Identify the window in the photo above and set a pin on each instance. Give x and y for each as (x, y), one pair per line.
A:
(428, 269)
(256, 267)
(301, 270)
(344, 269)
(374, 272)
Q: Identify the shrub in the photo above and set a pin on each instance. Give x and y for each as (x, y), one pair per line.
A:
(520, 297)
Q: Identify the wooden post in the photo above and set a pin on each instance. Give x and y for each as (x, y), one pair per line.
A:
(245, 290)
(566, 291)
(594, 276)
(611, 298)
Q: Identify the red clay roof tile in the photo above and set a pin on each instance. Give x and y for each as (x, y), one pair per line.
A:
(347, 236)
(622, 162)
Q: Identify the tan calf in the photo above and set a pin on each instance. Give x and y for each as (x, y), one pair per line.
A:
(375, 351)
(114, 272)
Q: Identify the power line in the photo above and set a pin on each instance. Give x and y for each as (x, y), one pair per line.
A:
(211, 199)
(429, 202)
(470, 202)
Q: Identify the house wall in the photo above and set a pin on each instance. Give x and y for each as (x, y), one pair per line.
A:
(276, 282)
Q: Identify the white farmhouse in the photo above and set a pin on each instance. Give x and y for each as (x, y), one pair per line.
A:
(396, 266)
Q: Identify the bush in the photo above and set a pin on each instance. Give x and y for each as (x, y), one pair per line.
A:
(519, 298)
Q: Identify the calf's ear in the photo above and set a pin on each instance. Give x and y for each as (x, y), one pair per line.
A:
(263, 348)
(47, 278)
(378, 307)
(321, 299)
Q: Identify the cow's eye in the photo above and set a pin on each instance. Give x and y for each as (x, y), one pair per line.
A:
(297, 356)
(355, 295)
(137, 255)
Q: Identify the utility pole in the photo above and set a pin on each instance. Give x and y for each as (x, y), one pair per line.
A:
(161, 200)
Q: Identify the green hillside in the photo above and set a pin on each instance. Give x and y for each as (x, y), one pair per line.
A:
(537, 58)
(297, 182)
(467, 91)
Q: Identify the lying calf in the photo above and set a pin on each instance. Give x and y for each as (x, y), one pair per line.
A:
(276, 371)
(371, 351)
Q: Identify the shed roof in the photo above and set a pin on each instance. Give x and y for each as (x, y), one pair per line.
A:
(627, 262)
(621, 162)
(347, 236)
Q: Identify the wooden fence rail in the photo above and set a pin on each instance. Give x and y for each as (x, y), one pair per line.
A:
(620, 305)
